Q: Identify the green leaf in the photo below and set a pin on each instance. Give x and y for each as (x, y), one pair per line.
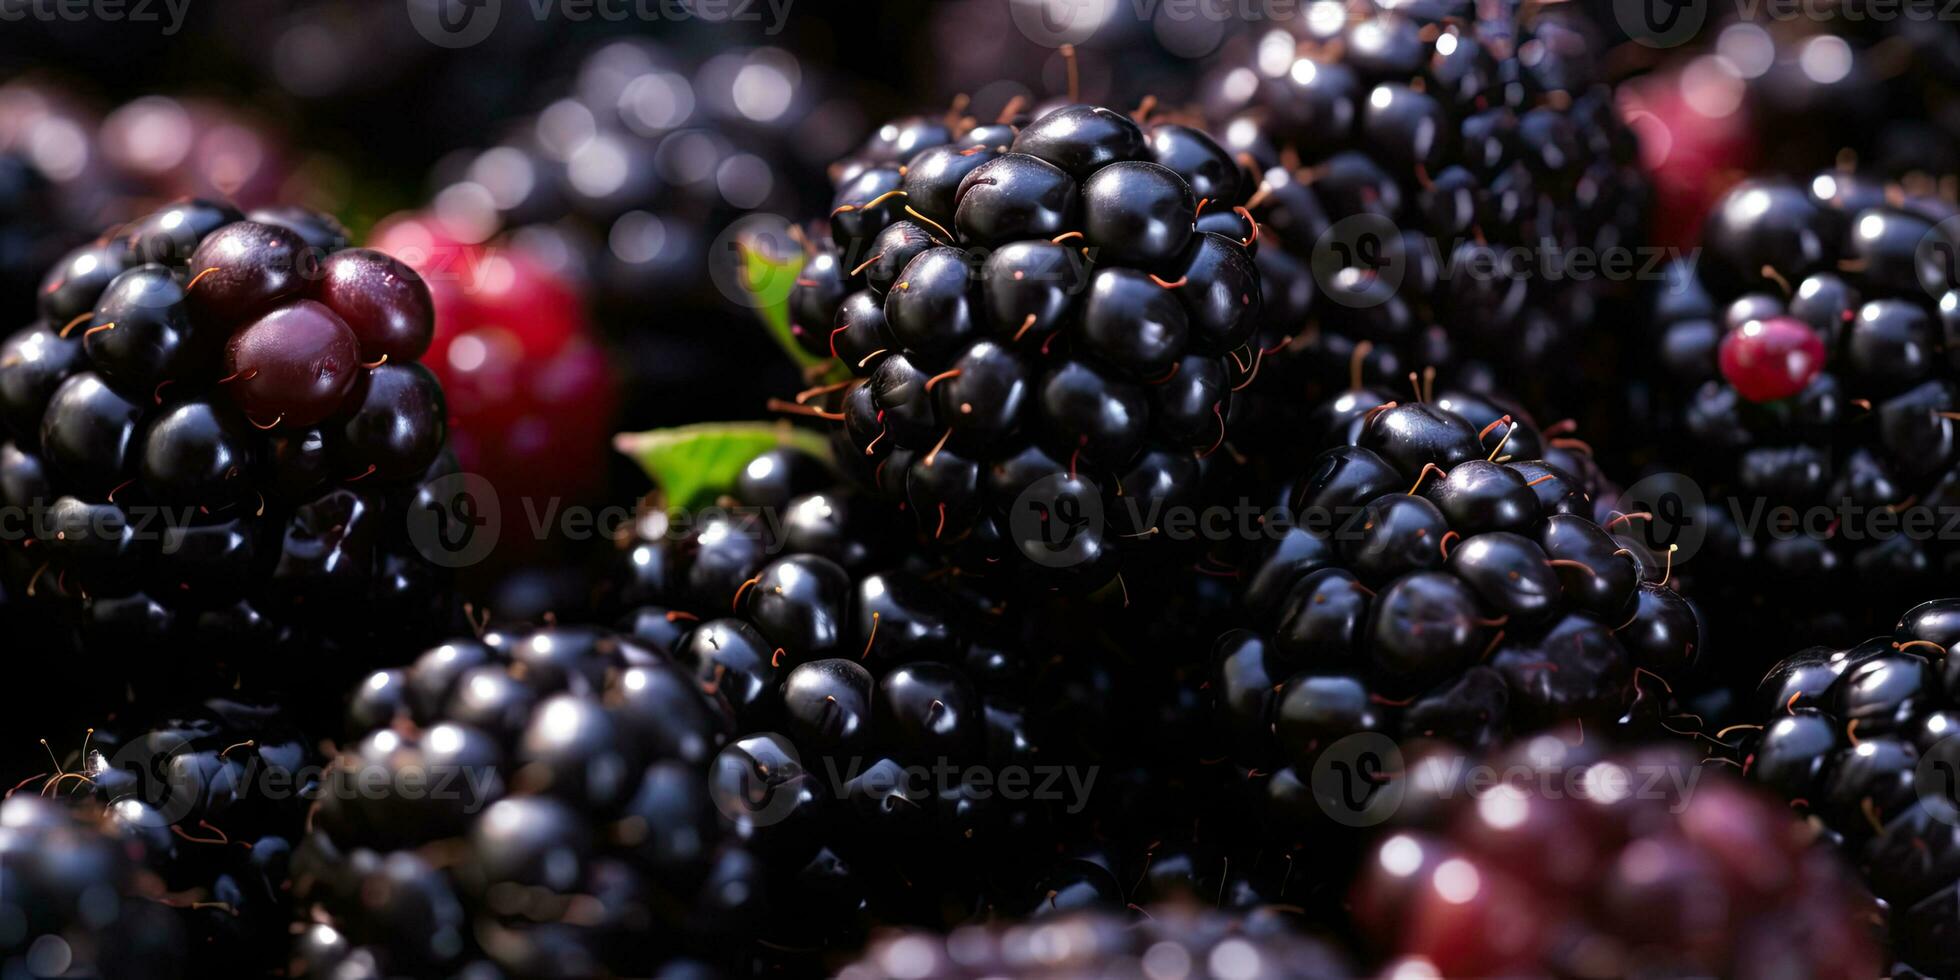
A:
(694, 464)
(768, 279)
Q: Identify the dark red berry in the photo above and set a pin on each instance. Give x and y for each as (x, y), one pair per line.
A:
(292, 367)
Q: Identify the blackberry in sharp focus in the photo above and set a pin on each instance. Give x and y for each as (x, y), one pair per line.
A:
(1864, 740)
(1424, 181)
(1031, 310)
(1169, 940)
(161, 852)
(526, 803)
(1582, 861)
(1447, 570)
(866, 695)
(1806, 378)
(217, 432)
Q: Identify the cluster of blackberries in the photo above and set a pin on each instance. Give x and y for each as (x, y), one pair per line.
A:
(530, 802)
(215, 432)
(1059, 305)
(1578, 860)
(1866, 739)
(161, 852)
(1430, 177)
(1169, 941)
(1808, 380)
(1446, 575)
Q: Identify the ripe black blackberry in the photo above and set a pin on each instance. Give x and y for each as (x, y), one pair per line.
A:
(216, 430)
(189, 826)
(1427, 179)
(1446, 574)
(527, 803)
(1808, 364)
(1049, 305)
(1864, 740)
(866, 694)
(1169, 940)
(1583, 860)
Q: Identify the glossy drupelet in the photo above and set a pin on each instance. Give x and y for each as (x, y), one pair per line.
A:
(216, 431)
(1033, 311)
(1866, 740)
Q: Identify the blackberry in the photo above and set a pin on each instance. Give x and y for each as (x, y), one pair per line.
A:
(1170, 940)
(74, 889)
(1418, 172)
(187, 827)
(217, 431)
(1862, 740)
(866, 693)
(1034, 309)
(1447, 572)
(1585, 861)
(528, 803)
(1804, 376)
(623, 185)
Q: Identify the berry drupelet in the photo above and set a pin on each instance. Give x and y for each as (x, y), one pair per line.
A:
(1170, 940)
(1864, 740)
(1581, 861)
(185, 830)
(1806, 376)
(215, 431)
(1447, 574)
(1045, 305)
(525, 803)
(1426, 176)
